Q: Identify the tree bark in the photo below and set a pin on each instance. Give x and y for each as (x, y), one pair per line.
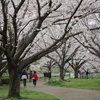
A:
(76, 73)
(62, 73)
(14, 85)
(49, 68)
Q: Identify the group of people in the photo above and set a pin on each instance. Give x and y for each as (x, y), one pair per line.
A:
(47, 75)
(84, 74)
(32, 76)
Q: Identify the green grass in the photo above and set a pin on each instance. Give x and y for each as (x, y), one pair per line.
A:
(93, 84)
(96, 76)
(27, 95)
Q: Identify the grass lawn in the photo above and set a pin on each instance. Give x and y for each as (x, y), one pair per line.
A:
(27, 95)
(93, 84)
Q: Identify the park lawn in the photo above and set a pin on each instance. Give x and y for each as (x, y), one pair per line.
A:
(92, 84)
(27, 95)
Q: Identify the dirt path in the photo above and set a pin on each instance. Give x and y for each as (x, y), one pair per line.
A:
(65, 93)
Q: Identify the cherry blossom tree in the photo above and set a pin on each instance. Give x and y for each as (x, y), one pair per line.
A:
(90, 37)
(23, 28)
(49, 64)
(76, 64)
(62, 56)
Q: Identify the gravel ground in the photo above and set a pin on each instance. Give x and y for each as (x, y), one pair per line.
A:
(65, 93)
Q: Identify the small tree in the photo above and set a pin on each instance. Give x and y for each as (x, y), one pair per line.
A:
(76, 64)
(62, 56)
(49, 64)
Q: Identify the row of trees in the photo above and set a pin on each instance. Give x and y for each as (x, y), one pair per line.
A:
(26, 27)
(89, 39)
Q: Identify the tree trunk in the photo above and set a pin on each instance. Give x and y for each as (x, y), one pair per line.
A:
(49, 68)
(14, 85)
(76, 73)
(0, 80)
(61, 73)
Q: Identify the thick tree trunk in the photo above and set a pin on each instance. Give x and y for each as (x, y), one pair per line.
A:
(49, 68)
(76, 73)
(14, 86)
(61, 73)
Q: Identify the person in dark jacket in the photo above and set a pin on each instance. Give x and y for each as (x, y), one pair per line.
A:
(87, 73)
(24, 77)
(35, 78)
(45, 75)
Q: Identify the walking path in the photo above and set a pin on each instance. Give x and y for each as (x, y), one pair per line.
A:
(65, 93)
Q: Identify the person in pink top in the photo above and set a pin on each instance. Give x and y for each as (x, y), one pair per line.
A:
(35, 78)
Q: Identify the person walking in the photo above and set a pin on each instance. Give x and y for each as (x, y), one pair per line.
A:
(24, 77)
(45, 75)
(35, 78)
(87, 73)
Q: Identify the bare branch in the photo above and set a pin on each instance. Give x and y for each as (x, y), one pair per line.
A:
(39, 13)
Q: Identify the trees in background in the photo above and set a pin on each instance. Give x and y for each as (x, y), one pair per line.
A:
(49, 64)
(62, 56)
(3, 65)
(76, 64)
(90, 38)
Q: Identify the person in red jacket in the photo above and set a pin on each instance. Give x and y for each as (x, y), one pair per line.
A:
(35, 78)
